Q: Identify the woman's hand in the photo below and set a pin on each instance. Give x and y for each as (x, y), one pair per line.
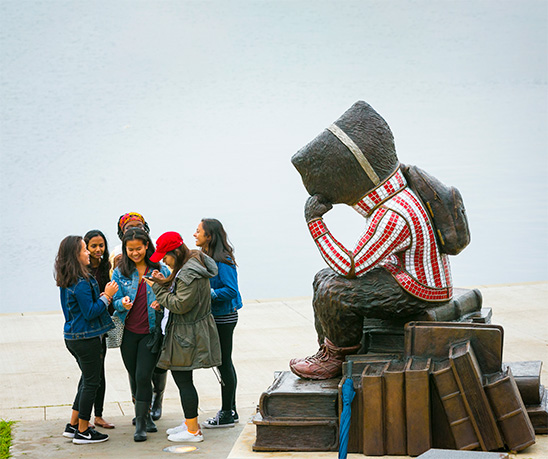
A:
(111, 288)
(126, 303)
(149, 282)
(156, 306)
(157, 274)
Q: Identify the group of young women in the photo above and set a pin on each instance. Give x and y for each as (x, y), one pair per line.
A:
(178, 307)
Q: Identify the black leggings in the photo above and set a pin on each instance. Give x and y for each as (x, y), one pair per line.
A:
(139, 361)
(100, 395)
(88, 354)
(187, 392)
(227, 370)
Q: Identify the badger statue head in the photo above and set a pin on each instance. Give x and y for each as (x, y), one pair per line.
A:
(349, 158)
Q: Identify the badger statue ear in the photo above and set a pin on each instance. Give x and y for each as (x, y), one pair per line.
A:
(350, 158)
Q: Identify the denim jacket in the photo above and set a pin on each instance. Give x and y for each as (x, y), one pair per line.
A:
(225, 296)
(127, 286)
(86, 314)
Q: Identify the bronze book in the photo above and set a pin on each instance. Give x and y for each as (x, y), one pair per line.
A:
(360, 361)
(527, 377)
(294, 435)
(417, 405)
(373, 416)
(452, 400)
(292, 397)
(510, 412)
(388, 340)
(469, 379)
(464, 302)
(538, 414)
(395, 429)
(434, 339)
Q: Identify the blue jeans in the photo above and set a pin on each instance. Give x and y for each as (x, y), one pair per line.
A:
(89, 356)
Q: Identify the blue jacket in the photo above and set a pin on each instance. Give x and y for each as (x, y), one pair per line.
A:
(127, 286)
(225, 295)
(86, 314)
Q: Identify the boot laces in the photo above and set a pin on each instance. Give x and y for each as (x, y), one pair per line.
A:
(321, 355)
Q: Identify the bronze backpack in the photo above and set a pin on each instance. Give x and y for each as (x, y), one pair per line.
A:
(445, 208)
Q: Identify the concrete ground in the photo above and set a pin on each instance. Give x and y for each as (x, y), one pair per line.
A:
(38, 377)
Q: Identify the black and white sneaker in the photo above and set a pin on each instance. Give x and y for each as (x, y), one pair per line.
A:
(70, 430)
(222, 419)
(235, 416)
(89, 436)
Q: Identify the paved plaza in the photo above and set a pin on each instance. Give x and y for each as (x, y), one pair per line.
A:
(38, 376)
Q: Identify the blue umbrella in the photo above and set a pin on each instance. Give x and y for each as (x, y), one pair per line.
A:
(347, 395)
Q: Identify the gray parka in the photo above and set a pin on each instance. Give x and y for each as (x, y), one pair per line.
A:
(191, 339)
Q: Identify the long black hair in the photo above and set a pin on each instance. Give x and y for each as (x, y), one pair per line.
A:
(127, 266)
(218, 248)
(67, 267)
(103, 270)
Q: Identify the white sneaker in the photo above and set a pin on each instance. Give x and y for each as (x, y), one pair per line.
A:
(186, 436)
(174, 430)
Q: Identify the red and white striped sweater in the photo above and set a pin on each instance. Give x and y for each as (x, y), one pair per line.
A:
(398, 236)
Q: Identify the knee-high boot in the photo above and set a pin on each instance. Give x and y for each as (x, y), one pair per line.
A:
(159, 386)
(151, 427)
(141, 414)
(133, 401)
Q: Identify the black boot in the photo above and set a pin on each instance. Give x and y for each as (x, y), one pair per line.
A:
(133, 401)
(133, 391)
(159, 386)
(141, 414)
(151, 427)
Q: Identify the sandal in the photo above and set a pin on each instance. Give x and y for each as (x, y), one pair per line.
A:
(100, 422)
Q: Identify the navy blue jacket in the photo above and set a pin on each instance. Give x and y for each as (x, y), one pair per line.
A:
(86, 313)
(225, 295)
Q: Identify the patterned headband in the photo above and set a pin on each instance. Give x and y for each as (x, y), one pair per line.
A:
(130, 216)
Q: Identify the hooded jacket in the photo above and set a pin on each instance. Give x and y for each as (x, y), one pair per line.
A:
(191, 338)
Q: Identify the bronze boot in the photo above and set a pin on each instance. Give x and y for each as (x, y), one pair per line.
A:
(325, 364)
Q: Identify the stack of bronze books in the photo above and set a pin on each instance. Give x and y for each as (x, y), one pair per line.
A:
(476, 403)
(391, 410)
(387, 336)
(533, 394)
(296, 414)
(449, 389)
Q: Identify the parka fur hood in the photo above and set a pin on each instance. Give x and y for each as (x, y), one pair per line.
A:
(193, 269)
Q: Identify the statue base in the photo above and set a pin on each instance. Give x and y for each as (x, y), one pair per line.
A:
(295, 414)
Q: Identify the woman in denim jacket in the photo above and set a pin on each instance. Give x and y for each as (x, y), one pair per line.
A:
(86, 320)
(134, 304)
(211, 237)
